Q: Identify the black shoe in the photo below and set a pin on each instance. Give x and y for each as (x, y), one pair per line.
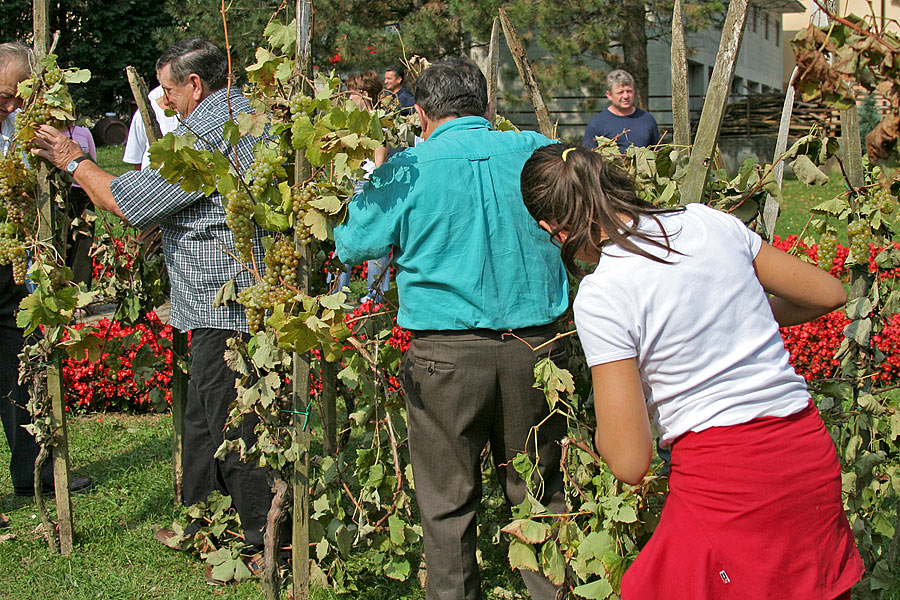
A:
(77, 485)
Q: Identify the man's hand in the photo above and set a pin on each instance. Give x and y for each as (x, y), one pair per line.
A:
(54, 146)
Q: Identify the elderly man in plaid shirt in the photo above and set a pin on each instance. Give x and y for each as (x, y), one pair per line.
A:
(199, 250)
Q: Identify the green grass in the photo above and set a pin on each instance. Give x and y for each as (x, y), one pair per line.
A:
(799, 198)
(110, 158)
(116, 557)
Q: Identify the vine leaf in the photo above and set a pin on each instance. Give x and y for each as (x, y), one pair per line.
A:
(598, 590)
(522, 556)
(807, 172)
(528, 531)
(553, 563)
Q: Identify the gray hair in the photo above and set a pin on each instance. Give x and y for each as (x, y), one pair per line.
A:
(454, 87)
(618, 77)
(19, 55)
(198, 56)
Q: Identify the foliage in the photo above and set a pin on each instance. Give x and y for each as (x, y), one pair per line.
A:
(108, 36)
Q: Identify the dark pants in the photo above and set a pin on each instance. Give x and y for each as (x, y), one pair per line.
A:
(13, 398)
(464, 390)
(210, 394)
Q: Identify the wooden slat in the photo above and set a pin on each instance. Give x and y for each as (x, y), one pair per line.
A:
(714, 106)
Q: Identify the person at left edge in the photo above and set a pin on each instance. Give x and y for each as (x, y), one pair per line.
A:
(198, 248)
(16, 64)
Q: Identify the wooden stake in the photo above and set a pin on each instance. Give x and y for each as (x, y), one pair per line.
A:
(300, 375)
(527, 75)
(680, 95)
(770, 210)
(179, 338)
(493, 65)
(139, 91)
(714, 106)
(46, 233)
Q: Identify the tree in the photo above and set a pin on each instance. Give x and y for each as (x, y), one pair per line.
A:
(575, 33)
(104, 37)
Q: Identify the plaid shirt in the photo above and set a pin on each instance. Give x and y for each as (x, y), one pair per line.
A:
(197, 243)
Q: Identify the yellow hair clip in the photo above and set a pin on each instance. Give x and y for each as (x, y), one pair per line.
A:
(566, 152)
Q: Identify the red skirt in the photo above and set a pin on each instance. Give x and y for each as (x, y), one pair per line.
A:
(753, 512)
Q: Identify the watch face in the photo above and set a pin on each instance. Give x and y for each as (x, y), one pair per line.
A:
(70, 168)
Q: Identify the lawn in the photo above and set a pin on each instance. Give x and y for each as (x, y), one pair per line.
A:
(129, 456)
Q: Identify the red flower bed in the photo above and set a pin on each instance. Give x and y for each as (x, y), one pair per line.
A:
(134, 371)
(812, 345)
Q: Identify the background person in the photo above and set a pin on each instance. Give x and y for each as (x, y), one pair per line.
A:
(137, 146)
(622, 120)
(16, 65)
(365, 89)
(472, 267)
(394, 79)
(198, 249)
(676, 320)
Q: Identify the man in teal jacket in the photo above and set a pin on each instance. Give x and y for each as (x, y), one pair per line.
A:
(480, 284)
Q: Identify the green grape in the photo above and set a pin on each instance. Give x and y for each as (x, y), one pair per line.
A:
(828, 250)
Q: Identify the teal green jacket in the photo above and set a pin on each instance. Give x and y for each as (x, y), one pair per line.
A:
(468, 254)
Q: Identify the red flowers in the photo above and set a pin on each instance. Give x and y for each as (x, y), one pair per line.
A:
(135, 368)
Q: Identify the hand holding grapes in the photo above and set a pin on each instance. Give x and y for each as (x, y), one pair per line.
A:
(55, 147)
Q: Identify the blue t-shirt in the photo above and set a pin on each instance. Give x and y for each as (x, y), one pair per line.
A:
(639, 127)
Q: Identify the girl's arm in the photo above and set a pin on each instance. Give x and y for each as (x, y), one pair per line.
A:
(623, 436)
(800, 291)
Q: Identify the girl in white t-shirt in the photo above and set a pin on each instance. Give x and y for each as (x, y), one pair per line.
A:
(680, 320)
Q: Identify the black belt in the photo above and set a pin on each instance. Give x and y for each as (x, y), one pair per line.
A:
(490, 333)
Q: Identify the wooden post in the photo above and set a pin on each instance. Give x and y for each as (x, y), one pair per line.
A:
(770, 210)
(531, 84)
(179, 338)
(493, 65)
(300, 375)
(139, 91)
(681, 116)
(714, 106)
(46, 231)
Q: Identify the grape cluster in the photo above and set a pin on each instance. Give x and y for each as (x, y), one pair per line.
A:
(858, 231)
(301, 196)
(298, 104)
(278, 286)
(261, 172)
(827, 250)
(883, 199)
(239, 218)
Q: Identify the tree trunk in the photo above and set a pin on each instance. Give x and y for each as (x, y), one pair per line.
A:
(634, 49)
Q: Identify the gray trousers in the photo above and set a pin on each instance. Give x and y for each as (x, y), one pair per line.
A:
(463, 390)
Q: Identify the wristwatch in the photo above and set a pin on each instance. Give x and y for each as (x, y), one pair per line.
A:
(73, 164)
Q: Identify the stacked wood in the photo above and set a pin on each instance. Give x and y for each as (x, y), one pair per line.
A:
(760, 114)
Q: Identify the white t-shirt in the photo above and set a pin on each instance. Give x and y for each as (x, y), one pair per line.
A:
(707, 345)
(137, 146)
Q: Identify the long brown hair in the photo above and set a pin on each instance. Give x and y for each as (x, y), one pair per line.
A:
(586, 196)
(369, 86)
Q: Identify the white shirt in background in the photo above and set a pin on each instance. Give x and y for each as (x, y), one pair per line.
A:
(137, 147)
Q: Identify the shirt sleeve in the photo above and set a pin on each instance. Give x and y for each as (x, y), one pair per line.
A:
(145, 197)
(606, 326)
(374, 214)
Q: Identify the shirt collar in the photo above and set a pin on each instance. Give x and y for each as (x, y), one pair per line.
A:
(461, 123)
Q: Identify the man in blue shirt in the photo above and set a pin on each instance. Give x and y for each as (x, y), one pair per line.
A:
(476, 278)
(622, 120)
(394, 78)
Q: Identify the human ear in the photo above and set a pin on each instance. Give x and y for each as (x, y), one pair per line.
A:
(196, 86)
(559, 236)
